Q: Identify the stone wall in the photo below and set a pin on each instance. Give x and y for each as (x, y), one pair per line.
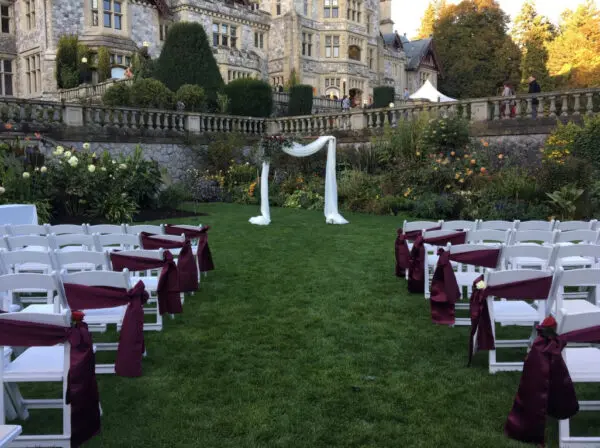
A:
(174, 158)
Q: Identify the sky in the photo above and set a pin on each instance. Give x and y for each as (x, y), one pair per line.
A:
(407, 14)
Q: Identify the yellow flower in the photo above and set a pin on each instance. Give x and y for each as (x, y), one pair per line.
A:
(500, 156)
(418, 153)
(457, 175)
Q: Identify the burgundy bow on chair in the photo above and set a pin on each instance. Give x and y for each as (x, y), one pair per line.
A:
(402, 254)
(188, 272)
(82, 389)
(545, 387)
(444, 288)
(205, 260)
(131, 337)
(169, 299)
(534, 289)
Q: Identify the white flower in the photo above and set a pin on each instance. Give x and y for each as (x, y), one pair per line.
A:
(59, 150)
(26, 175)
(391, 105)
(103, 168)
(36, 168)
(123, 195)
(86, 146)
(67, 154)
(114, 161)
(73, 161)
(481, 284)
(123, 166)
(91, 168)
(2, 190)
(43, 169)
(94, 154)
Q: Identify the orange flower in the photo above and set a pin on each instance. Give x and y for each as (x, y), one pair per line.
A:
(452, 153)
(486, 144)
(8, 126)
(500, 156)
(473, 161)
(483, 170)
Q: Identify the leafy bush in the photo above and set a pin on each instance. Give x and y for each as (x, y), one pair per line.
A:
(587, 142)
(437, 206)
(173, 196)
(383, 96)
(187, 58)
(119, 94)
(356, 189)
(104, 71)
(249, 97)
(564, 201)
(150, 93)
(67, 62)
(115, 207)
(223, 150)
(142, 64)
(192, 97)
(447, 136)
(203, 186)
(561, 142)
(301, 99)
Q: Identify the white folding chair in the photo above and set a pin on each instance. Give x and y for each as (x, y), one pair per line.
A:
(586, 236)
(62, 229)
(29, 242)
(24, 262)
(496, 225)
(534, 225)
(73, 242)
(418, 226)
(116, 241)
(566, 226)
(39, 364)
(489, 236)
(176, 251)
(82, 260)
(13, 285)
(583, 363)
(532, 238)
(98, 319)
(580, 278)
(431, 256)
(459, 225)
(527, 256)
(513, 312)
(104, 229)
(155, 230)
(25, 229)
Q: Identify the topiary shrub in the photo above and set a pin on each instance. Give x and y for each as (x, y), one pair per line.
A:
(151, 93)
(192, 97)
(383, 96)
(117, 95)
(250, 97)
(187, 58)
(587, 142)
(104, 72)
(142, 64)
(67, 62)
(301, 99)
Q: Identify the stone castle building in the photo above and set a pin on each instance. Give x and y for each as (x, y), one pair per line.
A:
(340, 47)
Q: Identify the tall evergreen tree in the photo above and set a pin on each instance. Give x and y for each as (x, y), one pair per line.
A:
(476, 53)
(575, 53)
(533, 33)
(187, 58)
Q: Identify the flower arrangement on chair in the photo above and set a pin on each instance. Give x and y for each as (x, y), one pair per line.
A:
(272, 143)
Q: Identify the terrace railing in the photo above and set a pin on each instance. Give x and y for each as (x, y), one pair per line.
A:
(89, 91)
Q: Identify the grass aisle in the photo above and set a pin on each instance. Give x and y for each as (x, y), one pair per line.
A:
(303, 337)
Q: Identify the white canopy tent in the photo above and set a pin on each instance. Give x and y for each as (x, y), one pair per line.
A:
(429, 92)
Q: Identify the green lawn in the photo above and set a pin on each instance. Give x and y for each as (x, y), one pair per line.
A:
(303, 337)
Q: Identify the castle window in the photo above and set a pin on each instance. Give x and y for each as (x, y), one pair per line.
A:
(278, 8)
(30, 14)
(33, 74)
(225, 35)
(163, 29)
(6, 77)
(371, 58)
(331, 9)
(259, 39)
(332, 46)
(5, 26)
(353, 12)
(113, 14)
(354, 53)
(307, 44)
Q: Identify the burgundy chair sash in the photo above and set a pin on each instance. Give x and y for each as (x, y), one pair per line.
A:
(402, 254)
(536, 289)
(444, 287)
(131, 337)
(545, 387)
(188, 272)
(82, 388)
(416, 273)
(413, 234)
(205, 260)
(452, 238)
(169, 299)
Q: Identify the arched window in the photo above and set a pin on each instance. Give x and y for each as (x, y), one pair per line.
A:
(354, 53)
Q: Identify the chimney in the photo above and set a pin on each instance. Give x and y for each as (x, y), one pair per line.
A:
(386, 24)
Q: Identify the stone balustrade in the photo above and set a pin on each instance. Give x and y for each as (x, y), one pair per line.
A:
(89, 91)
(33, 115)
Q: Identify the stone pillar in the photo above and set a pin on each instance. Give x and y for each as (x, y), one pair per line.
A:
(358, 121)
(480, 110)
(272, 127)
(193, 124)
(73, 115)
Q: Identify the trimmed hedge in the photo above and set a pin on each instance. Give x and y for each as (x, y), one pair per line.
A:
(192, 97)
(383, 96)
(67, 63)
(151, 93)
(301, 99)
(104, 72)
(117, 95)
(187, 58)
(250, 97)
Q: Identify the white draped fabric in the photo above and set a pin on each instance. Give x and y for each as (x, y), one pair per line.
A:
(332, 215)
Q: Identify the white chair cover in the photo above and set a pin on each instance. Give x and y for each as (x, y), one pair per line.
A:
(17, 214)
(332, 215)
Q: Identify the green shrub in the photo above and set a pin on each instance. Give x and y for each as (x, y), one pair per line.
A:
(383, 96)
(67, 63)
(104, 71)
(249, 97)
(150, 93)
(187, 58)
(437, 206)
(356, 189)
(587, 142)
(192, 97)
(173, 196)
(221, 152)
(117, 95)
(301, 99)
(446, 135)
(142, 64)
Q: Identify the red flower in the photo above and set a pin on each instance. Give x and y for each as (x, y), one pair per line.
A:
(549, 322)
(77, 316)
(38, 135)
(8, 126)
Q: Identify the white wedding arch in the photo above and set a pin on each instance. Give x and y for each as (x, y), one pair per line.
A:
(332, 215)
